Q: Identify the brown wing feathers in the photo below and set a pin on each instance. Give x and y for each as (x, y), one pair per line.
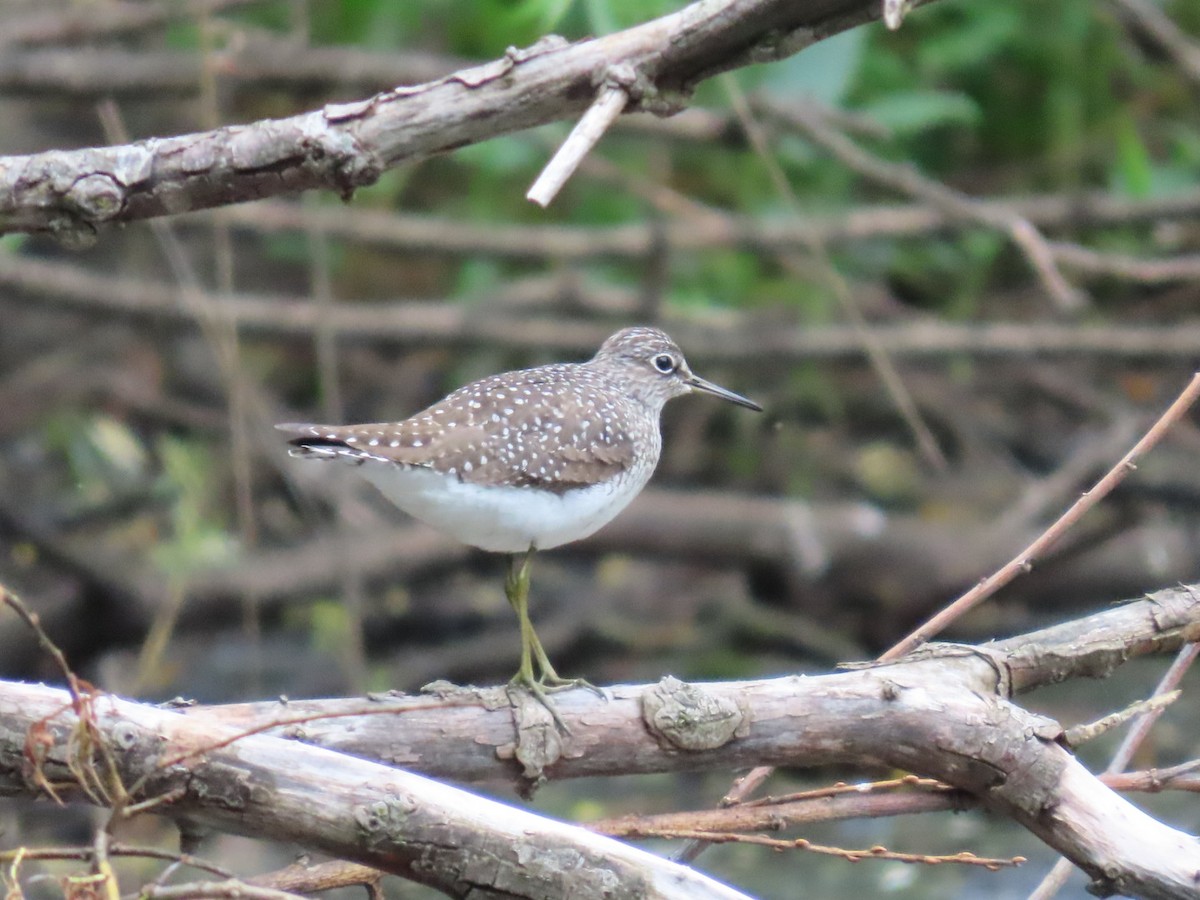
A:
(514, 429)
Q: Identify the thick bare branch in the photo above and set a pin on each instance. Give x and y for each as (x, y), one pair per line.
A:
(942, 714)
(463, 844)
(347, 145)
(463, 737)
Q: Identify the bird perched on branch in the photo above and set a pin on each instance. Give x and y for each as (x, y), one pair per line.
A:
(526, 460)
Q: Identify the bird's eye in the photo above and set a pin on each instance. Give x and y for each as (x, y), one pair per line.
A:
(665, 363)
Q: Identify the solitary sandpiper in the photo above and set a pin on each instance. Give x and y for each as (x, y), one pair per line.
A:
(526, 460)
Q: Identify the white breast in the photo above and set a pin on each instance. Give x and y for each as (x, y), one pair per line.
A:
(504, 519)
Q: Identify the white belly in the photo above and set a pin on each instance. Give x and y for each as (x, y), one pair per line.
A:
(503, 519)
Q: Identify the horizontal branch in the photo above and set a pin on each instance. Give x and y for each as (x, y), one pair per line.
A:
(942, 714)
(609, 737)
(426, 234)
(459, 324)
(344, 146)
(463, 844)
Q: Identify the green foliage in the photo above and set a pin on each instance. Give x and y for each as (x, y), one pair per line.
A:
(481, 28)
(1038, 96)
(908, 113)
(182, 35)
(377, 24)
(720, 277)
(477, 276)
(12, 243)
(886, 472)
(198, 537)
(946, 276)
(104, 457)
(823, 72)
(330, 626)
(108, 460)
(604, 16)
(484, 171)
(1133, 169)
(1027, 82)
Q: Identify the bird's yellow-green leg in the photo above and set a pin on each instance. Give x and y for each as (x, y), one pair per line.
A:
(517, 589)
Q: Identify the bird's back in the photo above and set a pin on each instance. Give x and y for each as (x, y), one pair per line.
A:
(540, 456)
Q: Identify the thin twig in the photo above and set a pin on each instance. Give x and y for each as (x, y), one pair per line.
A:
(1148, 709)
(838, 803)
(610, 103)
(1151, 19)
(906, 179)
(313, 878)
(1041, 496)
(220, 327)
(233, 889)
(877, 852)
(1025, 560)
(85, 741)
(86, 853)
(877, 355)
(1143, 270)
(713, 337)
(1141, 728)
(1167, 685)
(1182, 777)
(741, 789)
(350, 576)
(75, 686)
(54, 24)
(239, 412)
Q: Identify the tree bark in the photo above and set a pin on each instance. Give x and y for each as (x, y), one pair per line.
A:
(344, 146)
(943, 713)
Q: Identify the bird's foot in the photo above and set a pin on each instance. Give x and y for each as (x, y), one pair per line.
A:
(550, 679)
(525, 681)
(552, 682)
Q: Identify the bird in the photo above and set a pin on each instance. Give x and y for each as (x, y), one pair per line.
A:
(526, 460)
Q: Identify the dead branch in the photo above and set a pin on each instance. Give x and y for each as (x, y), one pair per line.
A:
(943, 714)
(1164, 694)
(344, 146)
(1151, 20)
(1031, 555)
(577, 243)
(908, 180)
(713, 337)
(461, 843)
(611, 739)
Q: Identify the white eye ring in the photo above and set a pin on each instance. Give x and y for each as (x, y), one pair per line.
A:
(664, 363)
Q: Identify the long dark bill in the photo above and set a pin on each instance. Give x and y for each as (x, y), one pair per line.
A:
(717, 391)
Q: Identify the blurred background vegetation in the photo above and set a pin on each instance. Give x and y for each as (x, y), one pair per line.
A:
(149, 513)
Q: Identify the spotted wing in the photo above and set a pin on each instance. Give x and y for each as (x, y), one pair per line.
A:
(555, 427)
